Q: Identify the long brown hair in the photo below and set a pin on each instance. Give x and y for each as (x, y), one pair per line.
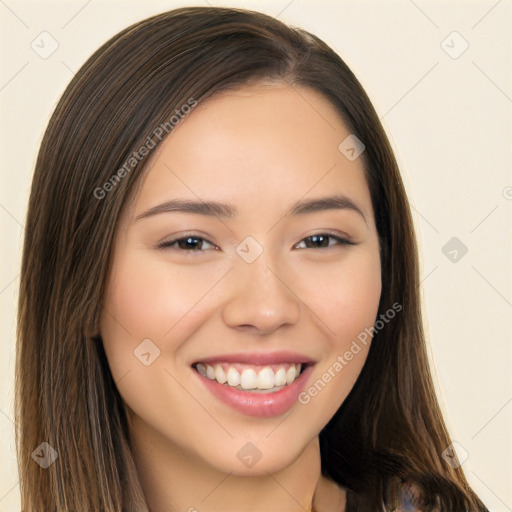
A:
(388, 430)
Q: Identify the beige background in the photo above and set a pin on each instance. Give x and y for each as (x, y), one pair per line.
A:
(449, 120)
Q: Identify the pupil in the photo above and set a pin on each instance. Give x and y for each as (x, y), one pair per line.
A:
(190, 241)
(321, 238)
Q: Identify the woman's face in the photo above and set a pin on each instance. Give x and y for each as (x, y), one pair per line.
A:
(253, 289)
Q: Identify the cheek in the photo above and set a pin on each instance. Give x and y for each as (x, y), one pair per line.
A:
(345, 296)
(347, 304)
(148, 298)
(151, 300)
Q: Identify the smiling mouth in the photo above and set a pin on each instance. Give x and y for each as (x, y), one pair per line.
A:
(253, 378)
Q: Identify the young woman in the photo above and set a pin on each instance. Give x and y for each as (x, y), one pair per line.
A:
(219, 304)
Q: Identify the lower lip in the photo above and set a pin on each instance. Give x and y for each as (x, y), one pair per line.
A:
(263, 405)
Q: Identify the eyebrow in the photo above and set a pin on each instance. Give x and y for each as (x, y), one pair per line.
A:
(223, 210)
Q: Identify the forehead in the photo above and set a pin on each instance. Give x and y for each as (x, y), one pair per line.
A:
(258, 145)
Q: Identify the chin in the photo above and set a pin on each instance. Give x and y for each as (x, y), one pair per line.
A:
(256, 456)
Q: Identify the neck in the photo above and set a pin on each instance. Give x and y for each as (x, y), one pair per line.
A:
(177, 480)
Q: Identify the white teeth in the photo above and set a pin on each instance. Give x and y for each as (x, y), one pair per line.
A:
(249, 378)
(233, 377)
(265, 378)
(210, 373)
(280, 377)
(220, 375)
(291, 374)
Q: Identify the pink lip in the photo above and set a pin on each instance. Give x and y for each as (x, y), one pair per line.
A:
(263, 405)
(259, 358)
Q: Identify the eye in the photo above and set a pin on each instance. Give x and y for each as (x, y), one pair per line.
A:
(193, 243)
(188, 243)
(321, 240)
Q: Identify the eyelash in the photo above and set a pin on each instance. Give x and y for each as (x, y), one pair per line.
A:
(169, 243)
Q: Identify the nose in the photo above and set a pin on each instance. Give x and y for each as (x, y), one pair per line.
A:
(260, 298)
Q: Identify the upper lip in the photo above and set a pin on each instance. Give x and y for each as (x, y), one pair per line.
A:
(258, 358)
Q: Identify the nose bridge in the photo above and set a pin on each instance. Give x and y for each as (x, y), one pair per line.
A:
(259, 295)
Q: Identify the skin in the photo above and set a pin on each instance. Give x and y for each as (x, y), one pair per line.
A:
(261, 149)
